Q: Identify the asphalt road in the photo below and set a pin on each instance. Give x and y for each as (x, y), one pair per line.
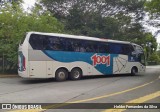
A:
(142, 88)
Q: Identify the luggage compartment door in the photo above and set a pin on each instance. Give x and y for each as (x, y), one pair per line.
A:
(37, 69)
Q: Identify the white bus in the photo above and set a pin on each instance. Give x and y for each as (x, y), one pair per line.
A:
(61, 56)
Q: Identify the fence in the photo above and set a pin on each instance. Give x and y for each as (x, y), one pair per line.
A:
(5, 65)
(153, 63)
(2, 61)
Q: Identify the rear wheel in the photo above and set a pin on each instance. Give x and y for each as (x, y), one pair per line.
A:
(75, 74)
(61, 74)
(134, 71)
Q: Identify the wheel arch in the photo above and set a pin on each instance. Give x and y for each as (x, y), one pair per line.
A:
(78, 68)
(62, 68)
(136, 68)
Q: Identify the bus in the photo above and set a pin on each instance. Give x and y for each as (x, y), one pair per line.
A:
(63, 56)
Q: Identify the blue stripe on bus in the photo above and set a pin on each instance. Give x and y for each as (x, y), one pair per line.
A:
(68, 57)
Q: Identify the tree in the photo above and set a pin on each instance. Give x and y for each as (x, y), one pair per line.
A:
(100, 18)
(149, 44)
(154, 58)
(14, 23)
(118, 19)
(60, 8)
(153, 6)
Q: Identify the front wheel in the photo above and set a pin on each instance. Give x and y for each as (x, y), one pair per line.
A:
(61, 75)
(75, 74)
(134, 71)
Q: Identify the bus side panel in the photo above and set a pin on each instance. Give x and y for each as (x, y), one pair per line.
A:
(141, 68)
(121, 65)
(49, 68)
(37, 69)
(39, 64)
(87, 69)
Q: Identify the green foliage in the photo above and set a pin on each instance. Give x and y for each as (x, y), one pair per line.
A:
(154, 57)
(114, 19)
(158, 53)
(106, 19)
(91, 24)
(153, 6)
(14, 24)
(60, 8)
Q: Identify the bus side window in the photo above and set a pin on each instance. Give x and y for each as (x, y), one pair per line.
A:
(89, 46)
(47, 43)
(115, 48)
(63, 43)
(82, 46)
(103, 48)
(126, 49)
(36, 41)
(51, 43)
(112, 48)
(56, 44)
(68, 44)
(76, 46)
(95, 47)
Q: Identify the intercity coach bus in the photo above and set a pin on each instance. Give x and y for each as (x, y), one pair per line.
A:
(62, 56)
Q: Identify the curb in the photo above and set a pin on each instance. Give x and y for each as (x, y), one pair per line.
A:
(8, 76)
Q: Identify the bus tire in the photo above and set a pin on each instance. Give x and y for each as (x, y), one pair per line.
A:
(76, 74)
(134, 71)
(61, 74)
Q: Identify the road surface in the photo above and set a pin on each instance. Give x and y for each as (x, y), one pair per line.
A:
(142, 88)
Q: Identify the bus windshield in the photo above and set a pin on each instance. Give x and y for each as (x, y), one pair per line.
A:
(140, 54)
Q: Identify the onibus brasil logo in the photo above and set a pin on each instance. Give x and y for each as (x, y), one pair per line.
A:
(97, 59)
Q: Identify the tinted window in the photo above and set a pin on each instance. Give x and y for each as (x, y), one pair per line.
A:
(116, 48)
(36, 41)
(128, 49)
(91, 46)
(79, 45)
(76, 45)
(42, 42)
(103, 47)
(52, 43)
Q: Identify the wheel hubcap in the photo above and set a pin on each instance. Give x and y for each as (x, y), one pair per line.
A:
(76, 74)
(61, 75)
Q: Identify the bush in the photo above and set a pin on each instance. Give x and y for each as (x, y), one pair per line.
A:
(154, 59)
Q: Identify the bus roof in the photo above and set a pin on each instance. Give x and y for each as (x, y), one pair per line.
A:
(79, 37)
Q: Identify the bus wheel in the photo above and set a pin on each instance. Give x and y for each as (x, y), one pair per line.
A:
(75, 74)
(61, 74)
(134, 71)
